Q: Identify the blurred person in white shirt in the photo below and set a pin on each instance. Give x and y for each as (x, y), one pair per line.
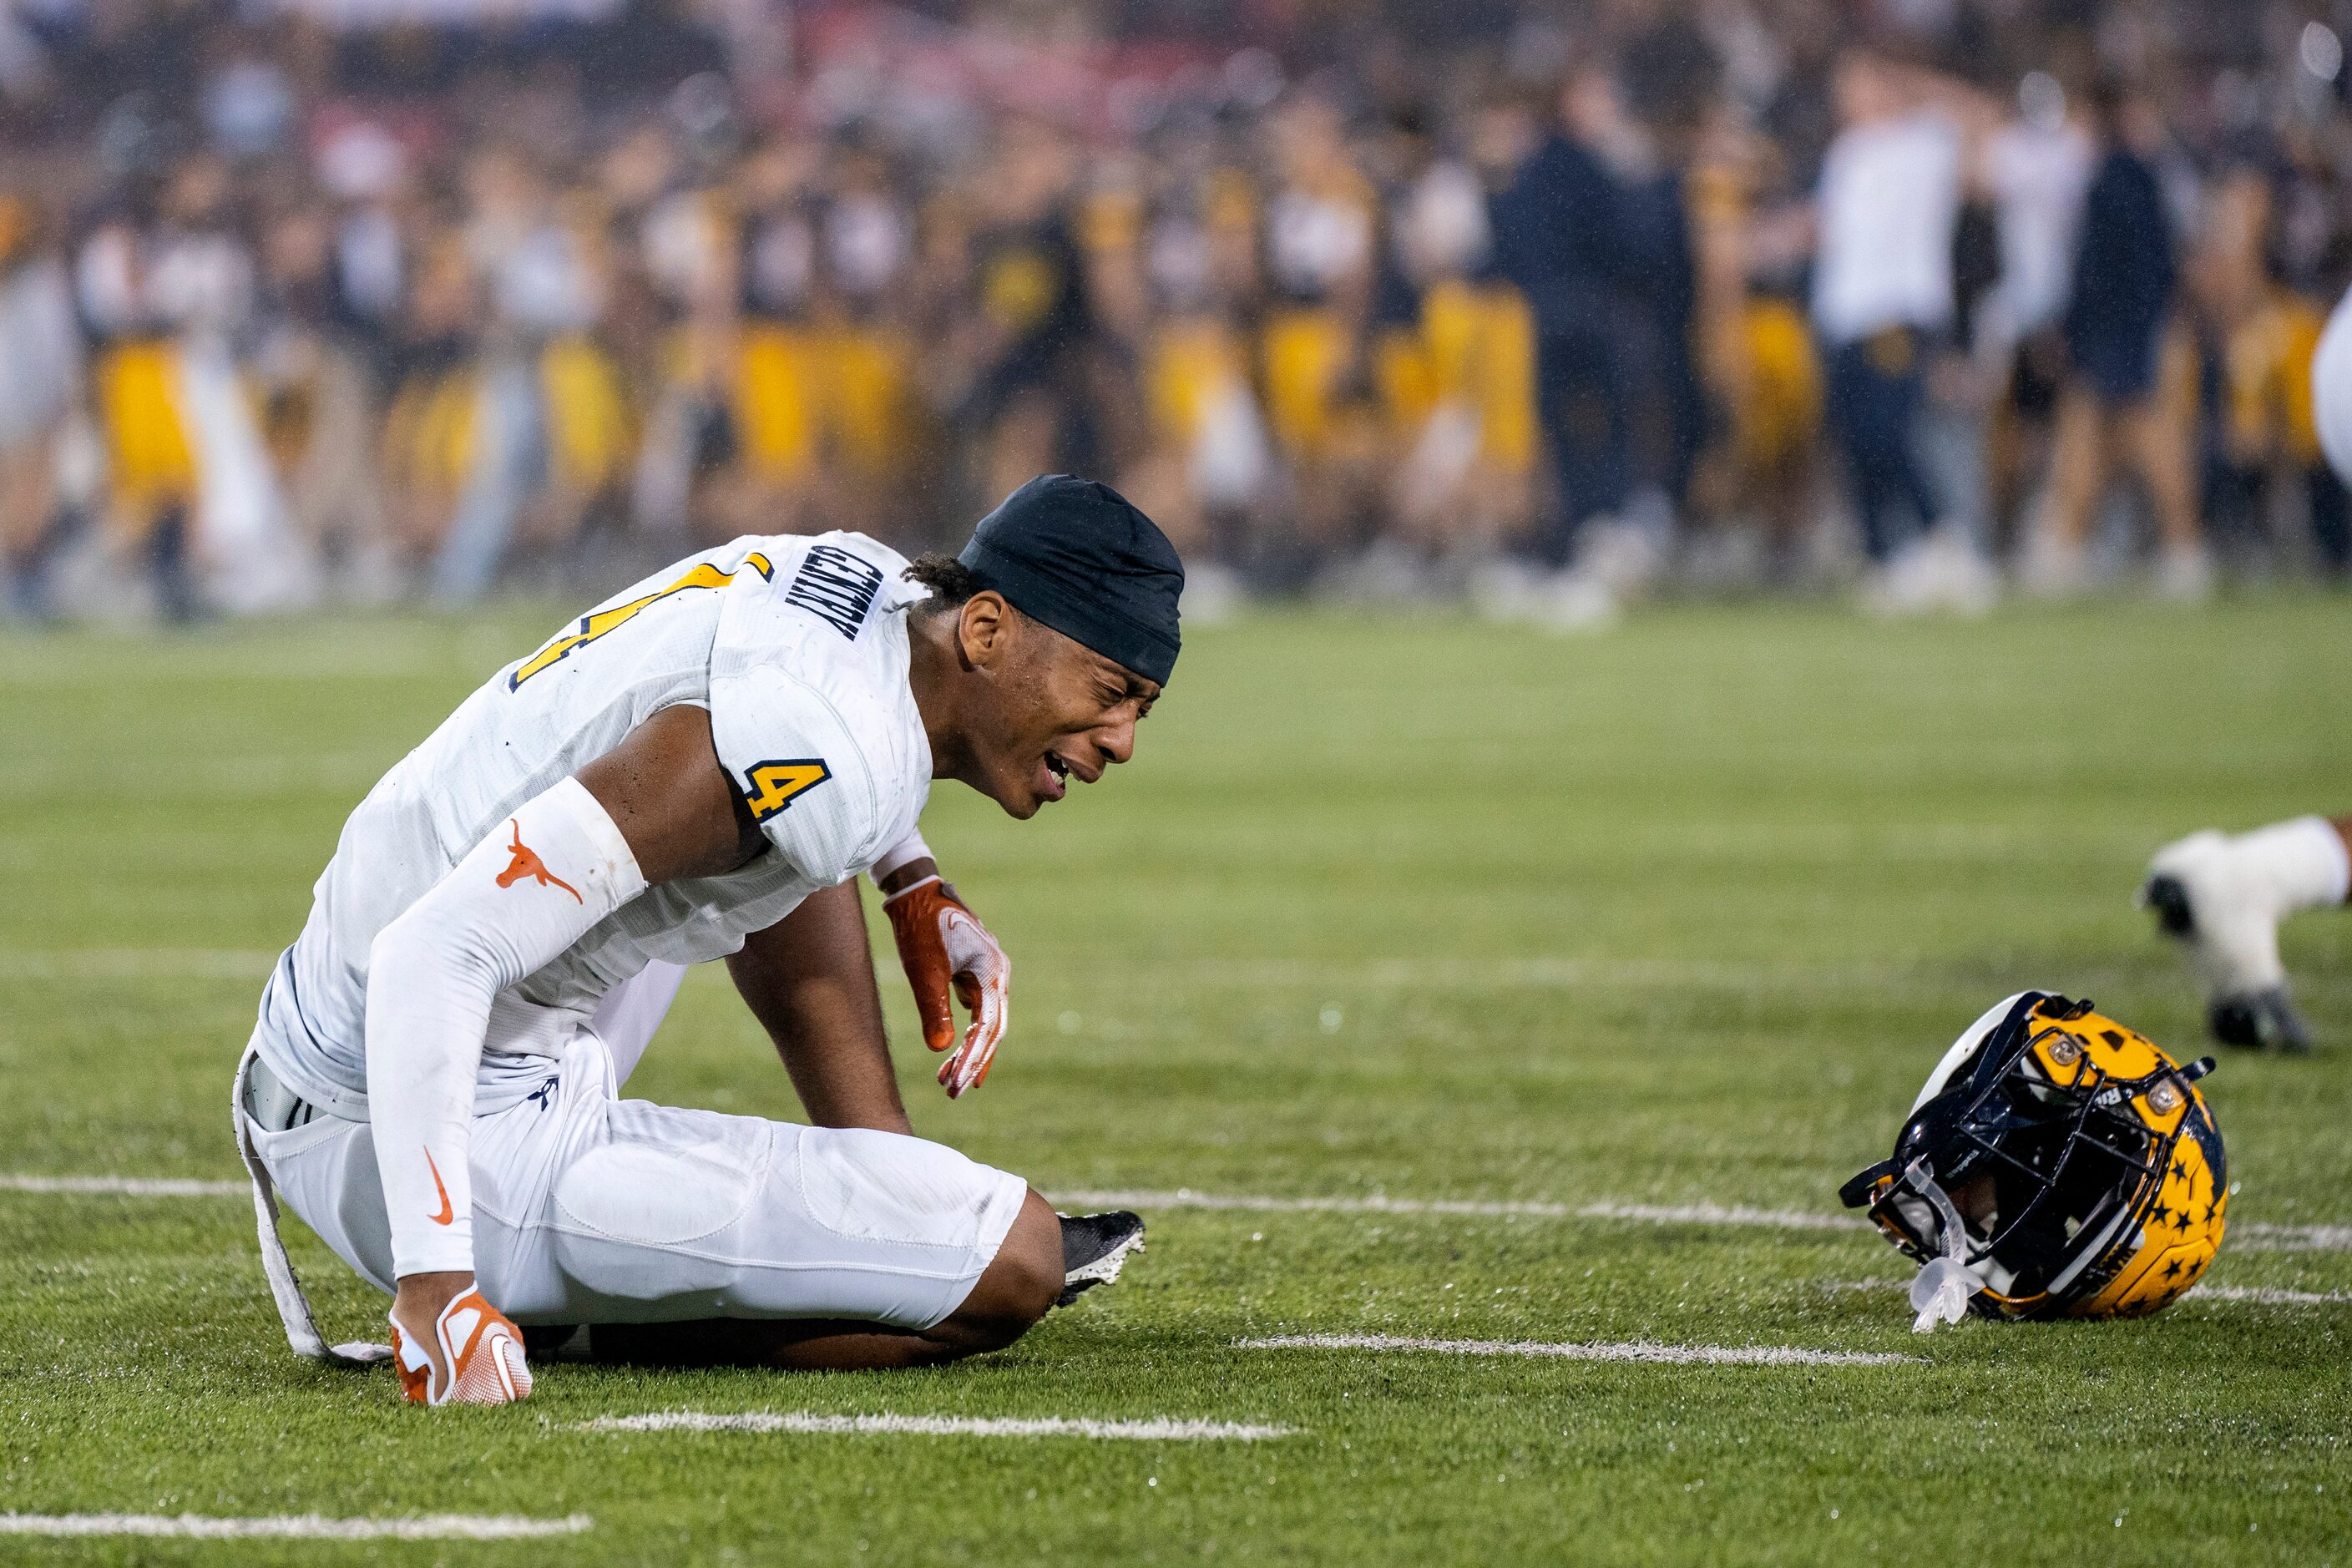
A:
(166, 286)
(545, 428)
(2036, 167)
(872, 397)
(205, 282)
(364, 169)
(1322, 245)
(1888, 201)
(319, 409)
(1204, 457)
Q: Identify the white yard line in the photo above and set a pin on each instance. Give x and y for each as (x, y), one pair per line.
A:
(127, 1186)
(1652, 1214)
(2266, 1295)
(804, 1421)
(2259, 1236)
(1619, 1350)
(296, 1526)
(2258, 1295)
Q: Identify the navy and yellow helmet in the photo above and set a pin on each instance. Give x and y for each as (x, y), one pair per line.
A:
(2078, 1161)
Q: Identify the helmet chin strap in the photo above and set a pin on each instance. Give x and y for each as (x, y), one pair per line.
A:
(1940, 1293)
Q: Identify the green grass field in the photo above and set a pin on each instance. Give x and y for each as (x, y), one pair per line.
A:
(1413, 908)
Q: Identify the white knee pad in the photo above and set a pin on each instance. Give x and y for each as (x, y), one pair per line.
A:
(880, 1186)
(651, 1220)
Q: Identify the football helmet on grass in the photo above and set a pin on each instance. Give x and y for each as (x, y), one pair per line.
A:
(2057, 1164)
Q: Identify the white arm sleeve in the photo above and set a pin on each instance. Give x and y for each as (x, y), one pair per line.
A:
(520, 897)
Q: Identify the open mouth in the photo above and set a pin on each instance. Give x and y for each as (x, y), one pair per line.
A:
(1052, 780)
(1059, 771)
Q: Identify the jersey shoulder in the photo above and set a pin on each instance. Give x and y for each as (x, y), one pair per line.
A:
(829, 611)
(833, 600)
(809, 707)
(659, 619)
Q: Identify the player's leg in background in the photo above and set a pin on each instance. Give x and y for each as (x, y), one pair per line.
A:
(2053, 559)
(2224, 896)
(30, 519)
(1584, 422)
(508, 423)
(2158, 433)
(1873, 393)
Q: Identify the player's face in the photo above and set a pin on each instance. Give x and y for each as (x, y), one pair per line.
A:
(1056, 712)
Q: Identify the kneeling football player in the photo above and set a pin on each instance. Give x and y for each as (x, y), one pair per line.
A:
(700, 769)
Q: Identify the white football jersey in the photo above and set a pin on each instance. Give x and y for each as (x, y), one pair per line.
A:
(796, 647)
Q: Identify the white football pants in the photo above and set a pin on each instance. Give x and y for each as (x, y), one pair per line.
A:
(589, 1208)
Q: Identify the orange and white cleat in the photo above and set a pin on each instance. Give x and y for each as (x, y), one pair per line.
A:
(481, 1350)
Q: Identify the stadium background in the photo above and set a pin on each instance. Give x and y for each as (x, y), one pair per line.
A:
(377, 350)
(373, 300)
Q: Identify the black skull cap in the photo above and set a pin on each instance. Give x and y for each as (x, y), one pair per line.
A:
(1080, 557)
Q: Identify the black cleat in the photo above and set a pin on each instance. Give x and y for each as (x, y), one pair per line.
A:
(1094, 1249)
(2260, 1020)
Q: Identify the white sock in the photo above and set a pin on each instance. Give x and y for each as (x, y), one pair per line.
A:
(2303, 861)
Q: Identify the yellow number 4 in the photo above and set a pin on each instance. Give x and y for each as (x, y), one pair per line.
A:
(775, 785)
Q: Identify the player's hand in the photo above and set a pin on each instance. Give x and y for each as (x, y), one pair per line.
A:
(943, 946)
(470, 1354)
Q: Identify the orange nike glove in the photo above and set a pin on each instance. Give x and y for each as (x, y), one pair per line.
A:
(481, 1360)
(942, 944)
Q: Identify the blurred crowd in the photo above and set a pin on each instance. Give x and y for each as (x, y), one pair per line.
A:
(1541, 306)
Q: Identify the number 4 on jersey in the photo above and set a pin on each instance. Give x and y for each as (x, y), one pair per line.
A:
(771, 786)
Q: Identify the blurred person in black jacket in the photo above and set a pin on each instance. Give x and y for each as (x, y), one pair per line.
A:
(2115, 329)
(1671, 87)
(1558, 237)
(1028, 302)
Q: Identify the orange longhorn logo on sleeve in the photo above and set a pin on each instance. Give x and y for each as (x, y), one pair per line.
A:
(526, 863)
